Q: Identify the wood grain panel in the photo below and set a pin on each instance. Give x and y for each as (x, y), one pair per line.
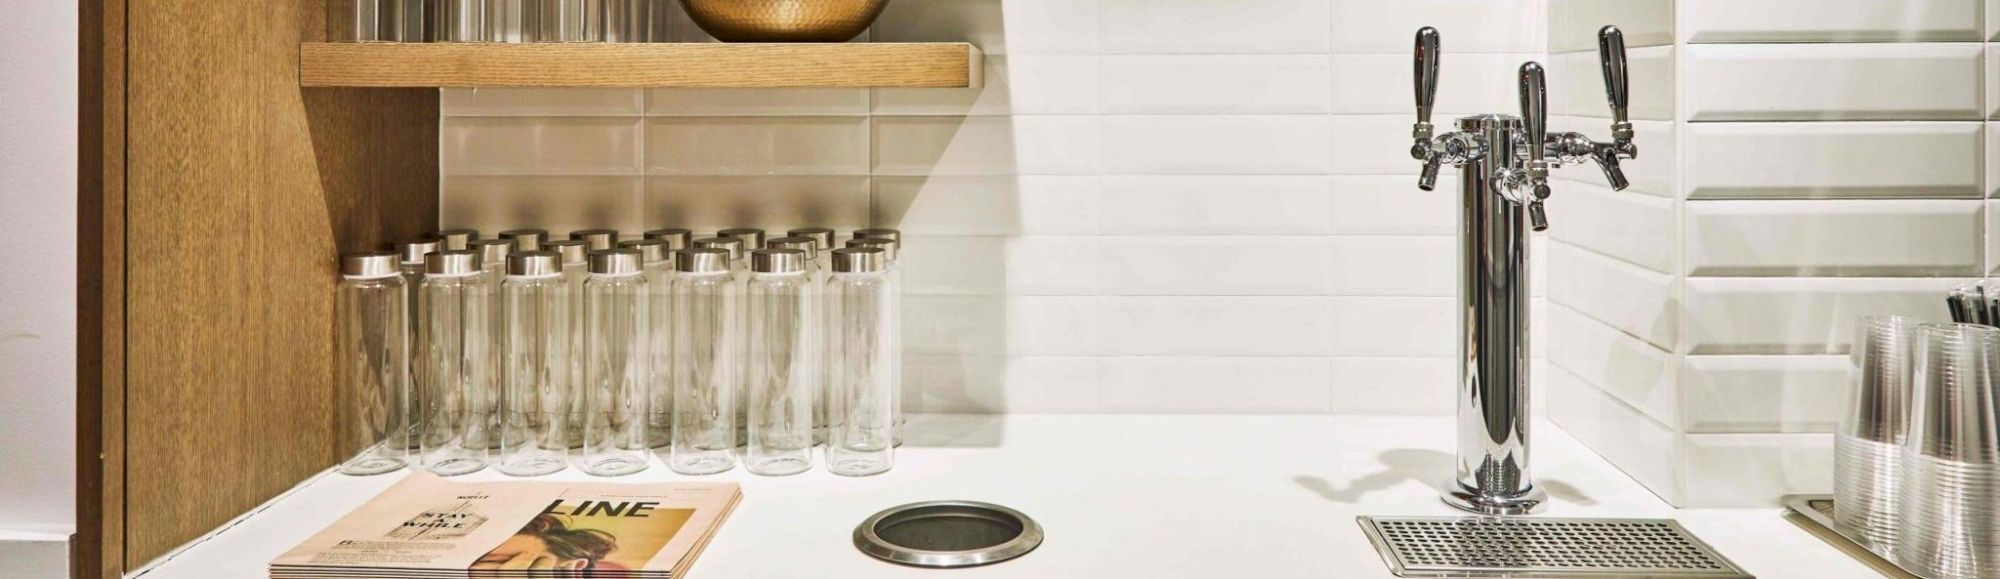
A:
(241, 189)
(98, 548)
(939, 64)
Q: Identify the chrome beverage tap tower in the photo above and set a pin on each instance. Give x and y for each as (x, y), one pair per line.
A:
(1504, 164)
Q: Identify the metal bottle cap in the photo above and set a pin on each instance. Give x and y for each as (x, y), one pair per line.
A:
(677, 239)
(598, 239)
(614, 262)
(370, 264)
(860, 259)
(880, 232)
(526, 239)
(451, 263)
(493, 252)
(753, 239)
(733, 244)
(534, 264)
(893, 247)
(651, 251)
(414, 251)
(778, 260)
(455, 239)
(702, 260)
(823, 236)
(571, 250)
(800, 242)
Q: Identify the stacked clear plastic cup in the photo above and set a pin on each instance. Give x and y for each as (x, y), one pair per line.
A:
(1951, 460)
(1868, 453)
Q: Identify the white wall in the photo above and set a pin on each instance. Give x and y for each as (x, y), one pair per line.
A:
(38, 85)
(1186, 206)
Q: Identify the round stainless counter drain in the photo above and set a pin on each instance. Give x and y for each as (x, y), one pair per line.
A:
(947, 534)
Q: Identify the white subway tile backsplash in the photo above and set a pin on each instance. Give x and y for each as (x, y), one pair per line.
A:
(1393, 205)
(1192, 205)
(1992, 156)
(1213, 26)
(1835, 238)
(1011, 145)
(1212, 145)
(989, 205)
(1744, 394)
(788, 102)
(1010, 266)
(1215, 84)
(541, 102)
(1797, 315)
(1642, 447)
(996, 27)
(1993, 81)
(1805, 82)
(1393, 326)
(1468, 84)
(997, 325)
(1753, 470)
(1831, 20)
(539, 146)
(1379, 145)
(558, 204)
(1464, 26)
(1652, 173)
(1644, 23)
(1214, 266)
(743, 146)
(1629, 226)
(1394, 386)
(1249, 385)
(1993, 20)
(1833, 160)
(1641, 375)
(991, 384)
(1576, 84)
(772, 203)
(1633, 299)
(1216, 326)
(1395, 266)
(1019, 84)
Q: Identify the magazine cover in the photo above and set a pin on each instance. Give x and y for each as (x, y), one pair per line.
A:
(428, 524)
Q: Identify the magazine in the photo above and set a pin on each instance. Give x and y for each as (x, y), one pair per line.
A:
(426, 526)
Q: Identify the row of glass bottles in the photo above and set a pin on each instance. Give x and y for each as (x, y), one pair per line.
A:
(597, 352)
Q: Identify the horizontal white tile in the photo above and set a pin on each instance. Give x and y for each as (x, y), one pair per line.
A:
(1636, 228)
(757, 145)
(1576, 84)
(1392, 205)
(1764, 393)
(992, 205)
(568, 102)
(1224, 84)
(1652, 173)
(1633, 299)
(1806, 82)
(1018, 84)
(1011, 27)
(1833, 160)
(1993, 20)
(1379, 145)
(696, 102)
(1010, 145)
(982, 384)
(1214, 266)
(1992, 159)
(1835, 238)
(1393, 386)
(1644, 23)
(1464, 26)
(1406, 266)
(1637, 373)
(1217, 205)
(1205, 144)
(1467, 84)
(772, 203)
(1215, 326)
(995, 325)
(1393, 326)
(552, 203)
(1213, 26)
(1831, 20)
(1993, 81)
(1755, 470)
(1798, 315)
(1261, 385)
(1992, 241)
(992, 266)
(539, 146)
(1641, 447)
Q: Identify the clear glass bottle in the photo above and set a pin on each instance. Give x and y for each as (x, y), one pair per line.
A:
(659, 273)
(456, 308)
(596, 239)
(372, 362)
(739, 274)
(706, 380)
(413, 277)
(526, 239)
(574, 258)
(753, 238)
(891, 241)
(455, 239)
(816, 277)
(677, 239)
(783, 369)
(537, 367)
(493, 269)
(861, 424)
(614, 396)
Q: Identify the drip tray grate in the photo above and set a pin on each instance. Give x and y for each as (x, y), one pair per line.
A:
(1542, 547)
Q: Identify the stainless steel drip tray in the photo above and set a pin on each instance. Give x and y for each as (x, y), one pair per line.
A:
(1543, 547)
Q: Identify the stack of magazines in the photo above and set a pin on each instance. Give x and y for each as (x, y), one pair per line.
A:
(425, 526)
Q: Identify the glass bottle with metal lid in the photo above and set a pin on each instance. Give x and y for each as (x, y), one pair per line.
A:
(706, 362)
(413, 277)
(597, 239)
(455, 239)
(574, 255)
(372, 362)
(823, 242)
(753, 238)
(536, 374)
(816, 276)
(783, 362)
(861, 422)
(677, 239)
(890, 241)
(526, 239)
(737, 251)
(614, 437)
(653, 257)
(455, 307)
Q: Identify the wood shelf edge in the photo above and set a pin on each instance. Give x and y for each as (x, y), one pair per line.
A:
(637, 65)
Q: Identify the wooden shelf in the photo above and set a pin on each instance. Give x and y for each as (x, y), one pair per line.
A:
(689, 65)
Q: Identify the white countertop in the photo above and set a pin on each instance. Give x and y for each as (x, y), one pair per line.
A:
(1118, 496)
